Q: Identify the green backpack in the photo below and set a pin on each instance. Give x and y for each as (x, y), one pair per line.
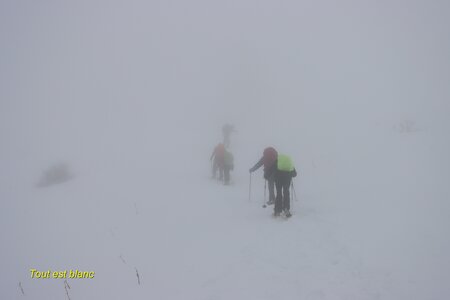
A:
(228, 158)
(285, 163)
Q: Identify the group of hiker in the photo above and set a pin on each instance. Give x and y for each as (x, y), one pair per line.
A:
(278, 171)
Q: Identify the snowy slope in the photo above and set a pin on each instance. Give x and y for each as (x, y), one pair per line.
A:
(190, 237)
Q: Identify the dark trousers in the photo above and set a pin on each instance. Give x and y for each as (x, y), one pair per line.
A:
(217, 166)
(283, 198)
(271, 185)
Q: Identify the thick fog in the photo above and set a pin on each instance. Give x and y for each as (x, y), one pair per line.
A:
(109, 112)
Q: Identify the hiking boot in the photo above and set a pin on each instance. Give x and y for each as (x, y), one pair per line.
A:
(287, 213)
(276, 214)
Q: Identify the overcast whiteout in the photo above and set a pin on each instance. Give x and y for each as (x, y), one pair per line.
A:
(109, 112)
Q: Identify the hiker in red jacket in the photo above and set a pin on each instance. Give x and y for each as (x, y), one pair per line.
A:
(219, 160)
(268, 159)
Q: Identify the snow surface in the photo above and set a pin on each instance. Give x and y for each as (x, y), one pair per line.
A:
(130, 97)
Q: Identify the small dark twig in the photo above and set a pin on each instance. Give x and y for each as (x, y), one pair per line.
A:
(21, 288)
(67, 288)
(122, 259)
(137, 275)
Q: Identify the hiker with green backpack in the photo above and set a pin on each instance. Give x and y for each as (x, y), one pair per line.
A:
(283, 171)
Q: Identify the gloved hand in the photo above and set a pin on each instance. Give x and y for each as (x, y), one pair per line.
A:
(250, 170)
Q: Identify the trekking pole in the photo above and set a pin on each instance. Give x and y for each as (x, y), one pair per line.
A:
(293, 189)
(211, 165)
(250, 189)
(264, 203)
(291, 200)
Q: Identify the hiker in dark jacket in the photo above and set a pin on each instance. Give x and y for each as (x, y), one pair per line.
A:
(267, 160)
(283, 171)
(227, 129)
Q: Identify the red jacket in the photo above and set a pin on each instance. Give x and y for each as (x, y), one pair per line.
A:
(219, 154)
